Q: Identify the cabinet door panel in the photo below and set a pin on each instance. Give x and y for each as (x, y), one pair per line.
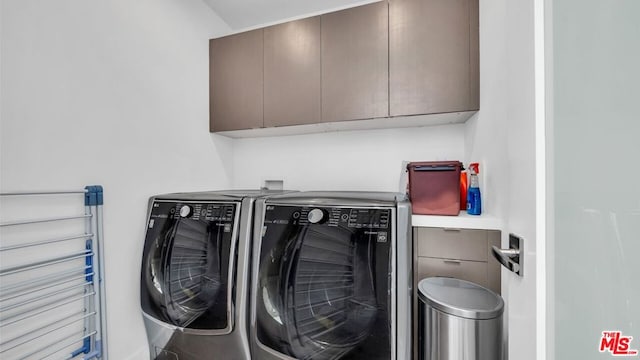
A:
(292, 73)
(474, 54)
(453, 244)
(429, 58)
(355, 69)
(235, 82)
(473, 271)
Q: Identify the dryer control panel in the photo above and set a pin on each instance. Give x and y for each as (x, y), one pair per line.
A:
(355, 218)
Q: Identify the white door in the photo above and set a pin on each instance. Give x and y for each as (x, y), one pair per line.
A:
(521, 293)
(593, 203)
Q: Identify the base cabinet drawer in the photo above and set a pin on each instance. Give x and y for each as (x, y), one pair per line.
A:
(452, 243)
(473, 271)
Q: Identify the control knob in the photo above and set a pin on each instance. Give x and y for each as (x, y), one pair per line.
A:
(186, 211)
(315, 216)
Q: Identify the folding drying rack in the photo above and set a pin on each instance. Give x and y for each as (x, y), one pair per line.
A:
(52, 297)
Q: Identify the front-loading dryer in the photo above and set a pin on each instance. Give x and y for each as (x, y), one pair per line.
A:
(331, 277)
(195, 271)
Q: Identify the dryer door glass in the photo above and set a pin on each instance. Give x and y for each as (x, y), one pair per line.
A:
(185, 277)
(324, 287)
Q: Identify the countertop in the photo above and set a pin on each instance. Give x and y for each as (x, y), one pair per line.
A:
(462, 221)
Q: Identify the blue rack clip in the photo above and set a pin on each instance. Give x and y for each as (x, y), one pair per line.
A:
(95, 354)
(93, 196)
(89, 262)
(85, 349)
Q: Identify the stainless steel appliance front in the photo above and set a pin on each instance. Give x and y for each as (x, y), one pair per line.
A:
(326, 282)
(194, 275)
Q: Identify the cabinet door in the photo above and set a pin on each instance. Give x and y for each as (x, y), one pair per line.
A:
(235, 82)
(355, 70)
(431, 55)
(474, 54)
(292, 73)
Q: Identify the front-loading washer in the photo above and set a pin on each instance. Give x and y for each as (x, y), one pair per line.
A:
(195, 271)
(331, 277)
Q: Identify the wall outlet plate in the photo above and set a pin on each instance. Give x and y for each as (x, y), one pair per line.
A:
(273, 185)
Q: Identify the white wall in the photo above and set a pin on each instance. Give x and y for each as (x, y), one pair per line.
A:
(521, 153)
(350, 160)
(486, 132)
(502, 139)
(112, 93)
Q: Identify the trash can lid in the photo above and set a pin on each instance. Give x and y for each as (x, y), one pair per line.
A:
(460, 298)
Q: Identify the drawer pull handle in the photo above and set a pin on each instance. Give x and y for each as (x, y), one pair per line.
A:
(457, 262)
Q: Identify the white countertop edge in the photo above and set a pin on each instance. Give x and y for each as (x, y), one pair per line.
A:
(462, 221)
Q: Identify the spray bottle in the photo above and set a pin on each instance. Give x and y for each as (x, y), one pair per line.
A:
(474, 200)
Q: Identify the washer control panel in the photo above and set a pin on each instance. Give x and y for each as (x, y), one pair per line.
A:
(355, 218)
(206, 211)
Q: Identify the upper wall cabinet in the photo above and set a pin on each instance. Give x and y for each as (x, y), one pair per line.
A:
(355, 67)
(235, 81)
(292, 73)
(364, 64)
(433, 57)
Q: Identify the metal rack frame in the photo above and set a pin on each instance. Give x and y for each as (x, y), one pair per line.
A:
(54, 290)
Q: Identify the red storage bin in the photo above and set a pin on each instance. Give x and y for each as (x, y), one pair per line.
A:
(434, 187)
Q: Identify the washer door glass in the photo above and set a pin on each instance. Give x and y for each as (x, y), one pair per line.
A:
(323, 289)
(186, 265)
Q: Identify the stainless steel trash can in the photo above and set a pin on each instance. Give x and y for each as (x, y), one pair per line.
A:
(458, 320)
